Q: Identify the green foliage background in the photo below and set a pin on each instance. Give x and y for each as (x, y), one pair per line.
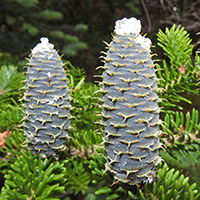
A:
(72, 26)
(24, 22)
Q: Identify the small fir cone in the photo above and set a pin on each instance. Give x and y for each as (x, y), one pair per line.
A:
(130, 110)
(47, 107)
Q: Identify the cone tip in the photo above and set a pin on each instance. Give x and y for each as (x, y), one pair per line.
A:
(127, 26)
(43, 46)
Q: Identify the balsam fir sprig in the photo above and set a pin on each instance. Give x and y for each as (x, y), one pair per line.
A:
(47, 107)
(130, 110)
(31, 177)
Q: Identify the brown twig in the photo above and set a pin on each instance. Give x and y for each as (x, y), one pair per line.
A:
(147, 15)
(162, 4)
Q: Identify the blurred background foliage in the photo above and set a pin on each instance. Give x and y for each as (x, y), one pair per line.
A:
(81, 25)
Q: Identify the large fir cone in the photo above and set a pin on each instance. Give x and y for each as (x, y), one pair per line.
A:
(47, 108)
(130, 110)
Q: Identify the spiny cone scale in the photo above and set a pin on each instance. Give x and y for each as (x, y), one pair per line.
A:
(47, 107)
(130, 110)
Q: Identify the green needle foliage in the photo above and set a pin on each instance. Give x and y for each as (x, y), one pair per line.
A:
(30, 177)
(178, 79)
(77, 177)
(10, 82)
(80, 172)
(170, 184)
(179, 75)
(177, 45)
(10, 116)
(85, 109)
(190, 133)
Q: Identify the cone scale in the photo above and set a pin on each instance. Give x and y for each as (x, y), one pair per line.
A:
(130, 110)
(47, 108)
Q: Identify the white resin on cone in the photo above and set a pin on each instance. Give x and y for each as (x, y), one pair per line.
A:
(132, 26)
(43, 46)
(127, 26)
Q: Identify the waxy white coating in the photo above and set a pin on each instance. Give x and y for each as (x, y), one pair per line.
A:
(144, 42)
(43, 46)
(132, 26)
(127, 26)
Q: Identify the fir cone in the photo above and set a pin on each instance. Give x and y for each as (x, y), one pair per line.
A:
(130, 110)
(47, 107)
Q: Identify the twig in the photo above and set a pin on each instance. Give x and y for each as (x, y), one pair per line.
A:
(162, 4)
(147, 15)
(69, 193)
